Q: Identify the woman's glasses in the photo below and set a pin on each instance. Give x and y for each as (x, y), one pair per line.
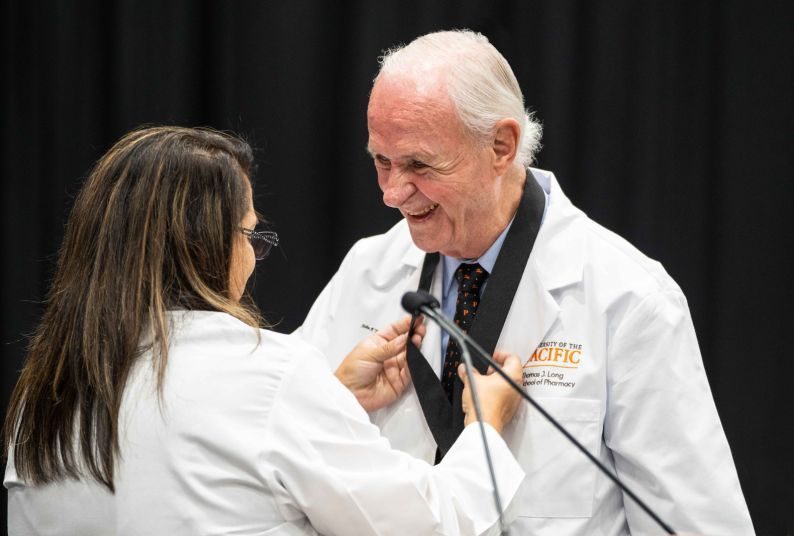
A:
(261, 241)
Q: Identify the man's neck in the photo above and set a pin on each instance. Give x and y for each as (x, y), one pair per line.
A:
(513, 189)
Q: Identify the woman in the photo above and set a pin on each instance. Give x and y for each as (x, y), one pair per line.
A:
(149, 403)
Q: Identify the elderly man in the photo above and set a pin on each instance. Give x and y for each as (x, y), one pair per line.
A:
(604, 333)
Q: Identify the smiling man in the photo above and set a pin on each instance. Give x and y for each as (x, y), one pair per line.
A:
(604, 334)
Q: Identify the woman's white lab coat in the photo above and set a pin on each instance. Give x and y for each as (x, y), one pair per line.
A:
(260, 438)
(608, 347)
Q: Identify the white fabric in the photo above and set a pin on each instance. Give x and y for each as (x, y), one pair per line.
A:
(634, 390)
(261, 439)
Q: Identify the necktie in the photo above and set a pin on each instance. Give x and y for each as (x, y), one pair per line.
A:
(470, 278)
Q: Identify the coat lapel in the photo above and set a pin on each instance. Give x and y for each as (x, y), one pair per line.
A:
(433, 400)
(556, 262)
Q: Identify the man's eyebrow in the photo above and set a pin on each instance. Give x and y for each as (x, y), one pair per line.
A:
(419, 156)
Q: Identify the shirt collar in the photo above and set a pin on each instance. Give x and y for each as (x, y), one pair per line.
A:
(487, 260)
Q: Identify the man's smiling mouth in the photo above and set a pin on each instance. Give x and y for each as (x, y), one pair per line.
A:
(421, 214)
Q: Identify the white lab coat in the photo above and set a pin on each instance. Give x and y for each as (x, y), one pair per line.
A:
(608, 347)
(261, 440)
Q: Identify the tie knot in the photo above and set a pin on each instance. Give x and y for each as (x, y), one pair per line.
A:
(470, 276)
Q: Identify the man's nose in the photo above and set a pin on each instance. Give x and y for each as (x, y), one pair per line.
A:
(397, 192)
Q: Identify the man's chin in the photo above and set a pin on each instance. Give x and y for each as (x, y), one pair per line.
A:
(425, 240)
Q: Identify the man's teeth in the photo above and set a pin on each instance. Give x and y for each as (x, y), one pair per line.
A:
(425, 211)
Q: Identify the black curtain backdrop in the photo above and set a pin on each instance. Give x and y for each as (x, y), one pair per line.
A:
(668, 122)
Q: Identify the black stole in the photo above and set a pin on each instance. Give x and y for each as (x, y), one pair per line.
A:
(444, 419)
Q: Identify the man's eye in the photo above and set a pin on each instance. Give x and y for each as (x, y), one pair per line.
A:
(382, 160)
(418, 165)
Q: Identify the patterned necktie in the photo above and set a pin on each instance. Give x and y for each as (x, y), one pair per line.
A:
(470, 278)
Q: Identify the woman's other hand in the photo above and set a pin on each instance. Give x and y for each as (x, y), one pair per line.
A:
(498, 400)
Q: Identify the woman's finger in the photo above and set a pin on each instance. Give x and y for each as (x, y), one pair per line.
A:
(499, 357)
(402, 326)
(462, 375)
(405, 375)
(512, 366)
(388, 349)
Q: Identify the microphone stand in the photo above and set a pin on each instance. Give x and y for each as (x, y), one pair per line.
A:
(428, 308)
(440, 320)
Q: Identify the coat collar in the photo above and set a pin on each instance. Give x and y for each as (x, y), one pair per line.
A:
(413, 256)
(558, 256)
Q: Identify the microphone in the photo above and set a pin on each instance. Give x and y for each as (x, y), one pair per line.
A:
(414, 302)
(426, 303)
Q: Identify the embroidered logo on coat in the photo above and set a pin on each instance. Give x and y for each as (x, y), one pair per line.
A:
(556, 354)
(542, 367)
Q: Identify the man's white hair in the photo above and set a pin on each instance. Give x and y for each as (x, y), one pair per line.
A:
(479, 81)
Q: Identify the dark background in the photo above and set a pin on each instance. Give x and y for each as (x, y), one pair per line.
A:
(668, 122)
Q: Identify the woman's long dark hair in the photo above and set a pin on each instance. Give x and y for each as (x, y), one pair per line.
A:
(152, 229)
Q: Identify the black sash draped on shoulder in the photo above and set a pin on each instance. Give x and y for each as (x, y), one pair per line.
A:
(444, 419)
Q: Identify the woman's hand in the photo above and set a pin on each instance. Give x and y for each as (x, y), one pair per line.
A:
(376, 370)
(498, 400)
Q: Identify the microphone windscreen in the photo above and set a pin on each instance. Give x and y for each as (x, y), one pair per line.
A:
(412, 301)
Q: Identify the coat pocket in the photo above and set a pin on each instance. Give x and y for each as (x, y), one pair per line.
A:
(560, 480)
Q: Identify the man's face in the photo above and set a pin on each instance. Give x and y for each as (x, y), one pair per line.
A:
(429, 169)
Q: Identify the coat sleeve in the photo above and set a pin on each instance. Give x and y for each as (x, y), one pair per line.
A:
(332, 465)
(662, 425)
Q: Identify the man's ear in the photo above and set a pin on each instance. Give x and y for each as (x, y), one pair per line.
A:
(505, 144)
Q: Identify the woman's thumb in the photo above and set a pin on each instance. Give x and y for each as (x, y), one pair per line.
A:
(462, 374)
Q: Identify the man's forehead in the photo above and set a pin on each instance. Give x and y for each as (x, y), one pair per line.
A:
(395, 94)
(408, 137)
(401, 106)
